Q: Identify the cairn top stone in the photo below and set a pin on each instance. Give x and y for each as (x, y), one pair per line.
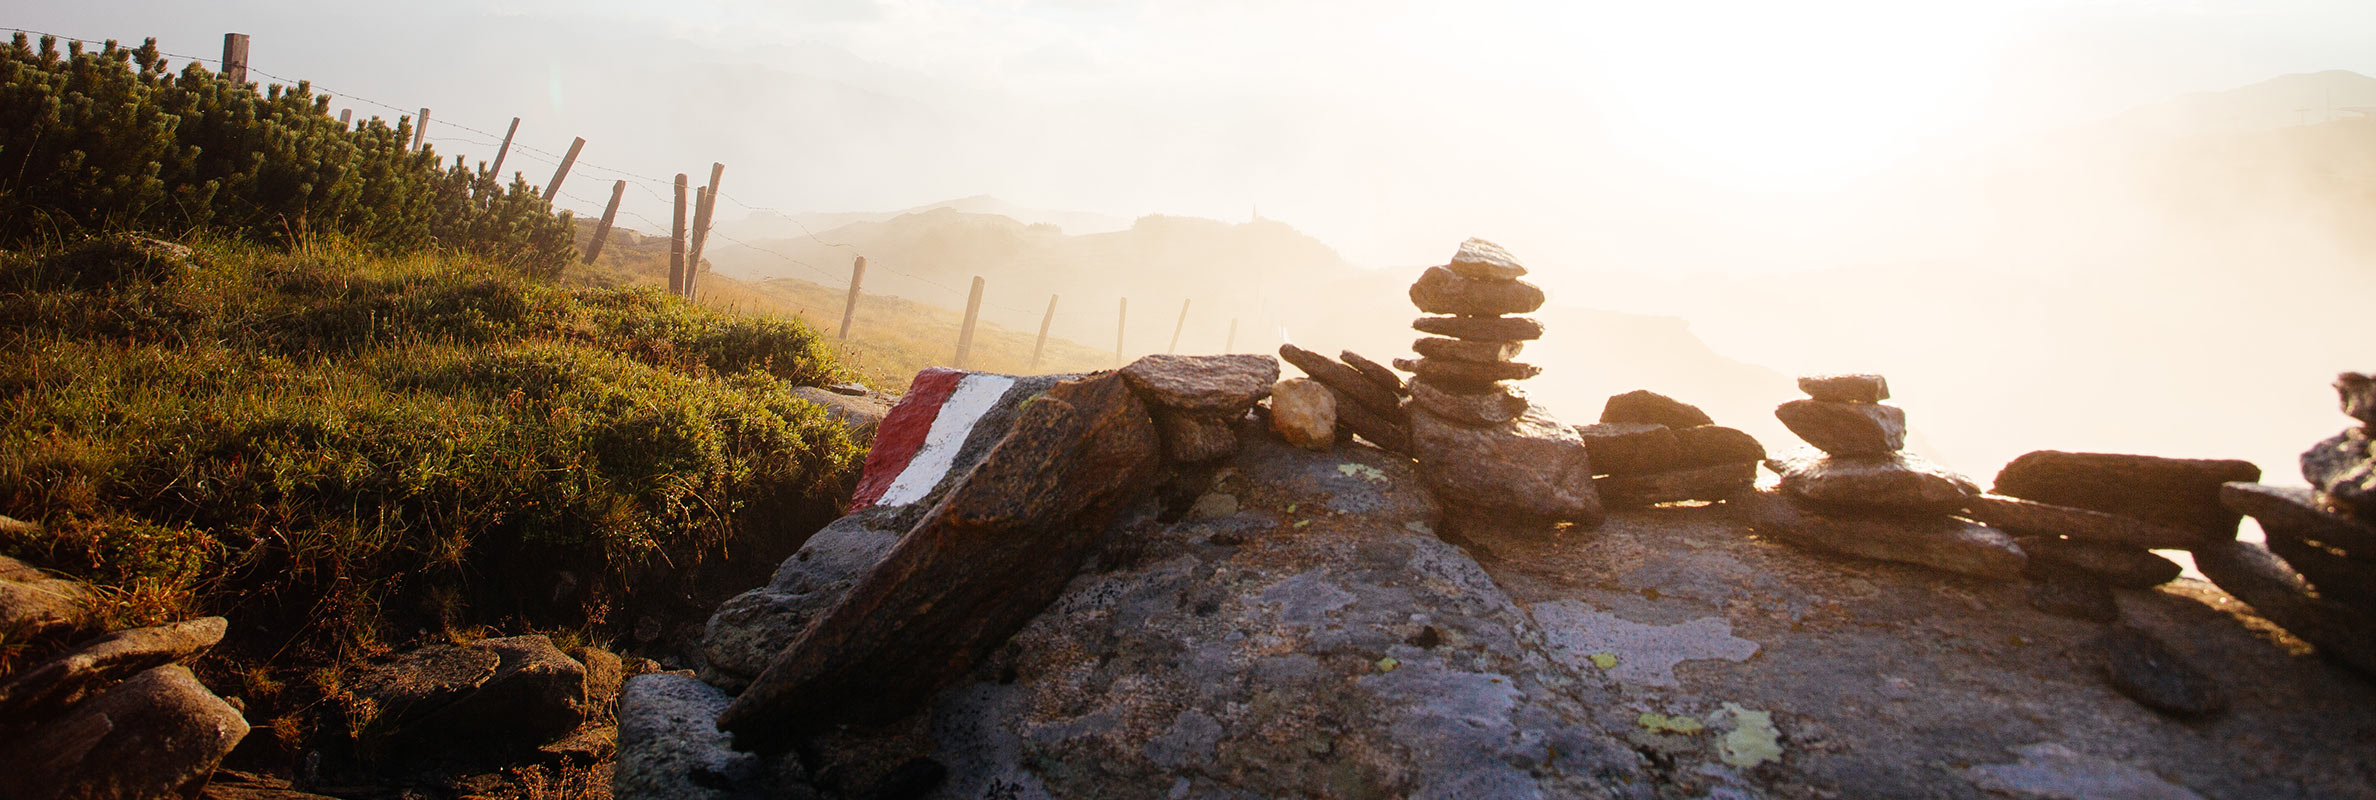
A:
(2358, 393)
(1442, 291)
(1859, 388)
(1485, 261)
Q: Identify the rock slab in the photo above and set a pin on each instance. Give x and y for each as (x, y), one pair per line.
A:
(1492, 405)
(51, 686)
(1893, 483)
(1215, 385)
(2177, 492)
(1939, 543)
(2259, 578)
(1846, 429)
(1380, 401)
(1529, 467)
(2148, 672)
(1643, 405)
(1501, 329)
(1467, 374)
(2042, 519)
(1442, 291)
(1711, 483)
(158, 734)
(670, 747)
(1846, 388)
(1631, 448)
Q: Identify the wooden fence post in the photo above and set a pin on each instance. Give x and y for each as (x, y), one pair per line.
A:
(1231, 346)
(554, 188)
(850, 309)
(693, 243)
(346, 117)
(703, 212)
(1042, 344)
(676, 242)
(1182, 325)
(496, 172)
(421, 130)
(235, 55)
(973, 313)
(609, 213)
(1121, 323)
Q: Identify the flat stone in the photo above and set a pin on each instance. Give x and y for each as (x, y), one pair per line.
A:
(1531, 467)
(1441, 291)
(158, 734)
(1480, 350)
(671, 749)
(1846, 388)
(1500, 329)
(2358, 393)
(1495, 404)
(1348, 380)
(1195, 438)
(2028, 518)
(1631, 448)
(2051, 771)
(2333, 575)
(1899, 482)
(35, 605)
(1941, 543)
(2252, 574)
(1378, 374)
(2176, 492)
(2147, 671)
(2120, 566)
(1485, 261)
(49, 687)
(1643, 405)
(1846, 429)
(1466, 373)
(536, 694)
(2065, 592)
(1303, 411)
(1352, 419)
(417, 684)
(2343, 466)
(2300, 515)
(995, 551)
(1710, 483)
(1217, 385)
(747, 631)
(1710, 445)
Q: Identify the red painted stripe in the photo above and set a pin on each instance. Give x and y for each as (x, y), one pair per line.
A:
(902, 432)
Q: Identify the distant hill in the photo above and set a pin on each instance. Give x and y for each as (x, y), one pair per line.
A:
(2298, 99)
(768, 225)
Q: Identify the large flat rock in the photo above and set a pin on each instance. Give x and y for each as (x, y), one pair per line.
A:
(2177, 492)
(1532, 467)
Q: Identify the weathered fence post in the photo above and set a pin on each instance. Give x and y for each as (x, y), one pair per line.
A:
(496, 172)
(1121, 323)
(676, 242)
(973, 313)
(421, 129)
(1231, 346)
(1183, 324)
(850, 309)
(703, 212)
(235, 55)
(1042, 344)
(346, 117)
(693, 243)
(554, 188)
(602, 230)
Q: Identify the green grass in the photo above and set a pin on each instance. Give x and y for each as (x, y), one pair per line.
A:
(344, 452)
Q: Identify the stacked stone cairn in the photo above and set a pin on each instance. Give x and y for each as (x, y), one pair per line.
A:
(1649, 448)
(1480, 444)
(2316, 577)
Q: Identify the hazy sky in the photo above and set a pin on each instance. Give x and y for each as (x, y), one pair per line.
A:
(1389, 129)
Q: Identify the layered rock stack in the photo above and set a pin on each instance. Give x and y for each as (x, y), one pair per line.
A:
(1480, 444)
(2316, 576)
(1340, 399)
(2090, 520)
(1649, 448)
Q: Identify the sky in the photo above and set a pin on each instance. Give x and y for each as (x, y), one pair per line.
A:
(1386, 129)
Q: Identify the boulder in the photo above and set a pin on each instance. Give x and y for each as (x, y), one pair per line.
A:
(2176, 492)
(158, 734)
(535, 694)
(414, 686)
(1846, 429)
(2254, 575)
(2298, 514)
(1939, 543)
(1348, 380)
(1485, 261)
(1530, 467)
(1493, 405)
(1441, 291)
(671, 749)
(1846, 388)
(747, 632)
(1898, 482)
(1219, 386)
(1500, 329)
(991, 555)
(1696, 483)
(1483, 350)
(2147, 671)
(941, 427)
(1378, 374)
(1710, 445)
(1631, 448)
(1643, 405)
(35, 605)
(1303, 411)
(49, 687)
(2041, 519)
(2120, 566)
(2343, 467)
(860, 414)
(2358, 393)
(1467, 373)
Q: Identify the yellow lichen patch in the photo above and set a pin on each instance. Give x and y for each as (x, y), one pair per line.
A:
(1753, 739)
(1388, 664)
(1604, 660)
(1677, 724)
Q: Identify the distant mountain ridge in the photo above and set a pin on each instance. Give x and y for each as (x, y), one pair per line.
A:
(771, 225)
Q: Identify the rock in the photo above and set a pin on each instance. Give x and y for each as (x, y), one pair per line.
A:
(235, 785)
(1466, 373)
(1354, 419)
(416, 685)
(860, 414)
(34, 605)
(2147, 671)
(1939, 543)
(939, 429)
(2176, 492)
(1303, 411)
(1710, 445)
(993, 554)
(1378, 374)
(670, 748)
(1496, 404)
(1503, 329)
(2040, 519)
(2333, 575)
(1846, 429)
(1485, 261)
(1631, 448)
(51, 686)
(1194, 438)
(2254, 575)
(2297, 514)
(1344, 379)
(1529, 467)
(604, 672)
(1481, 350)
(1221, 386)
(1697, 483)
(2122, 567)
(1898, 482)
(158, 734)
(2358, 392)
(536, 694)
(1440, 291)
(2049, 771)
(1856, 388)
(1643, 405)
(2343, 466)
(747, 632)
(2066, 592)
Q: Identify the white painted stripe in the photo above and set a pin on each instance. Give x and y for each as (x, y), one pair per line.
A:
(975, 395)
